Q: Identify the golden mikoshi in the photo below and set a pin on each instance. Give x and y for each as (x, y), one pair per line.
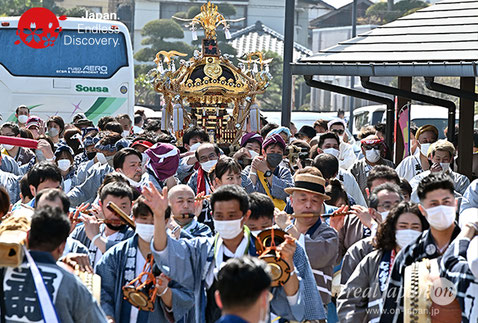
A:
(208, 90)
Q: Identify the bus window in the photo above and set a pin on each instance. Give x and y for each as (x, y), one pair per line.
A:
(440, 124)
(74, 54)
(377, 117)
(361, 120)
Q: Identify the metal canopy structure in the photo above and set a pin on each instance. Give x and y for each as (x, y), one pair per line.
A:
(440, 40)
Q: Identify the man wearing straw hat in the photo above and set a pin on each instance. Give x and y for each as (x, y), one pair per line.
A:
(320, 240)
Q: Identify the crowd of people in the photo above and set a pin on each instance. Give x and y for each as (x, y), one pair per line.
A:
(353, 221)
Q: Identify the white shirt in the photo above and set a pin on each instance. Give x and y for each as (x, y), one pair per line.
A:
(347, 156)
(99, 254)
(408, 167)
(351, 186)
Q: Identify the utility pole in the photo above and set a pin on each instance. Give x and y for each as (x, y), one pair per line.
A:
(288, 55)
(352, 78)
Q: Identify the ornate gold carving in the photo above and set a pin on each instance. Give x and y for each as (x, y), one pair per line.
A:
(210, 84)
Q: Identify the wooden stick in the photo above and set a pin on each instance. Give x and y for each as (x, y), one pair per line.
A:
(119, 212)
(305, 215)
(200, 198)
(311, 215)
(335, 214)
(184, 216)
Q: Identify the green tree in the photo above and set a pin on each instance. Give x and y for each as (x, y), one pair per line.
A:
(380, 12)
(193, 11)
(14, 7)
(156, 33)
(271, 99)
(226, 9)
(144, 91)
(76, 12)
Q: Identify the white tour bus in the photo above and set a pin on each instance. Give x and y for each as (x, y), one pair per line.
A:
(89, 69)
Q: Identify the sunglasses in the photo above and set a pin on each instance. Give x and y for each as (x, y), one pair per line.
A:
(339, 131)
(369, 147)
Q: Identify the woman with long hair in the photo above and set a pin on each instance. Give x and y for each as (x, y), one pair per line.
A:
(361, 298)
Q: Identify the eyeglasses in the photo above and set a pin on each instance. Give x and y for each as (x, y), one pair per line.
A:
(370, 147)
(387, 205)
(211, 156)
(338, 131)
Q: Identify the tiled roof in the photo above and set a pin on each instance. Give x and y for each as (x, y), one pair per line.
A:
(441, 40)
(259, 37)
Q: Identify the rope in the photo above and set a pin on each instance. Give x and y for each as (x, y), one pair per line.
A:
(15, 224)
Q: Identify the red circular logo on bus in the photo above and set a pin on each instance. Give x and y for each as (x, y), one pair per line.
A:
(38, 28)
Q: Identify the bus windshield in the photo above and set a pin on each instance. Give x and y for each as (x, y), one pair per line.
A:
(74, 54)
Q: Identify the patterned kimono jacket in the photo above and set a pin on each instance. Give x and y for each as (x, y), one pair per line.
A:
(196, 229)
(361, 299)
(80, 235)
(196, 258)
(424, 247)
(72, 301)
(454, 267)
(117, 267)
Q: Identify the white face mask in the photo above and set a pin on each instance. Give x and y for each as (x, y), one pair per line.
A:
(145, 231)
(64, 164)
(406, 236)
(253, 153)
(441, 217)
(133, 183)
(424, 149)
(472, 256)
(341, 138)
(372, 155)
(332, 151)
(228, 229)
(207, 166)
(125, 133)
(8, 147)
(255, 233)
(384, 215)
(53, 132)
(445, 166)
(23, 118)
(101, 158)
(195, 146)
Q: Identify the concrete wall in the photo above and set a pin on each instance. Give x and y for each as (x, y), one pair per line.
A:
(270, 12)
(91, 5)
(145, 11)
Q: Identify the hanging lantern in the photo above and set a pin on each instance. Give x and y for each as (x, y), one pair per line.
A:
(254, 118)
(255, 69)
(227, 33)
(178, 119)
(194, 33)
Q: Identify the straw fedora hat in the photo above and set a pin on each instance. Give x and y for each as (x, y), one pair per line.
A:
(308, 183)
